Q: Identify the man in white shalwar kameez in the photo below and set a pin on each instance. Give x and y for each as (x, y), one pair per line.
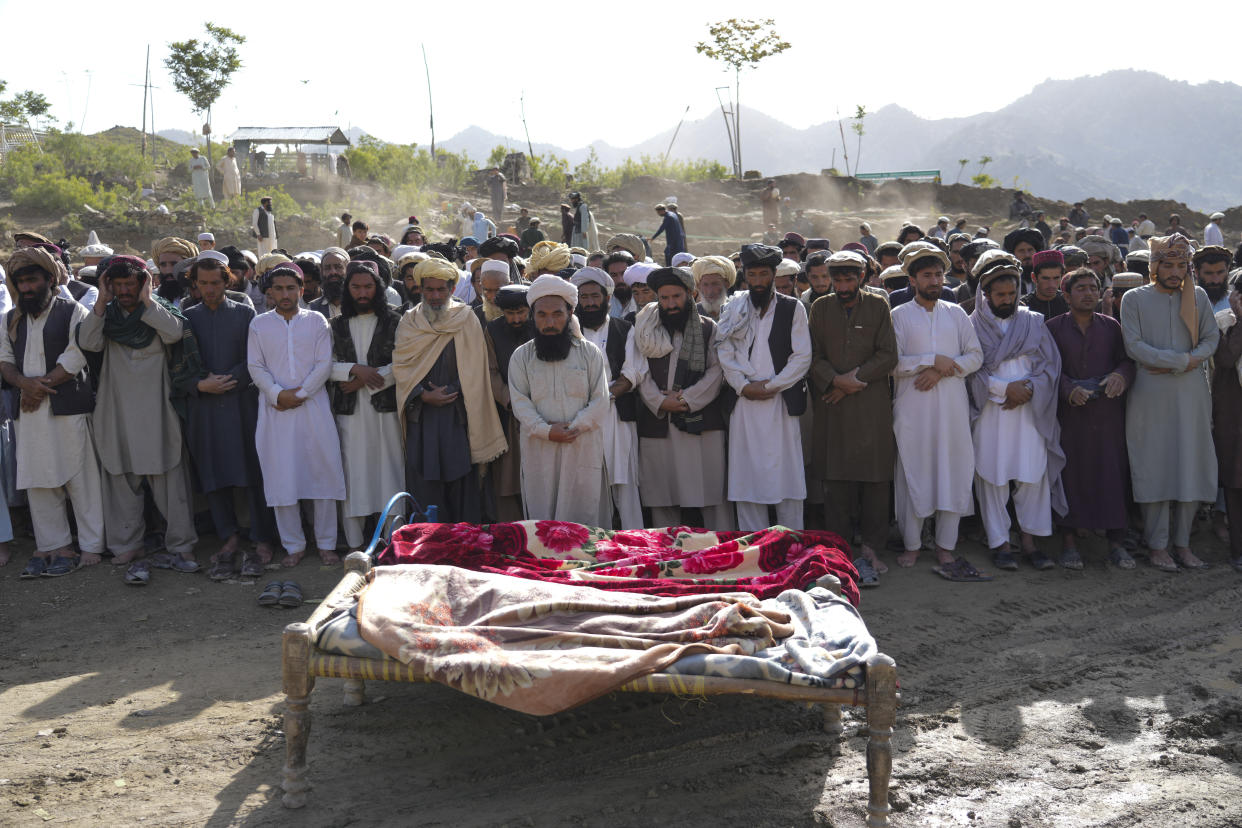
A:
(55, 448)
(1013, 406)
(200, 177)
(290, 360)
(364, 398)
(263, 227)
(937, 349)
(612, 337)
(764, 346)
(227, 167)
(558, 387)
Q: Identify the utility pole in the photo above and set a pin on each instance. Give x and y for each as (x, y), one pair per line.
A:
(675, 133)
(529, 148)
(430, 107)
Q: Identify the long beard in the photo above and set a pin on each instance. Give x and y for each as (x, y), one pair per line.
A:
(1215, 292)
(553, 347)
(592, 318)
(674, 321)
(623, 293)
(714, 306)
(332, 291)
(491, 311)
(35, 304)
(760, 296)
(846, 296)
(171, 289)
(521, 331)
(434, 314)
(1004, 311)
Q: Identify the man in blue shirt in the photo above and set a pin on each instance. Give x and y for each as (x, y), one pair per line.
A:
(674, 238)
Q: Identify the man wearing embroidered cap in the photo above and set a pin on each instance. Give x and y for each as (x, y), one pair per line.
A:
(765, 353)
(1047, 270)
(853, 352)
(558, 387)
(937, 349)
(1170, 331)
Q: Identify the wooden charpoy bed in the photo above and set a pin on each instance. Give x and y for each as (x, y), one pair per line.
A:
(302, 662)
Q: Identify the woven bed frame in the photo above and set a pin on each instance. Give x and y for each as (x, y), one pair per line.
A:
(302, 663)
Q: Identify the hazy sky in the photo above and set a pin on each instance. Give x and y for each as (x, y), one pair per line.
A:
(612, 71)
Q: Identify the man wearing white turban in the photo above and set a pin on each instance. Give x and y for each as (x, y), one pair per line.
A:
(558, 387)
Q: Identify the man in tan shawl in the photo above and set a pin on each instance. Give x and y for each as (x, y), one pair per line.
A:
(448, 414)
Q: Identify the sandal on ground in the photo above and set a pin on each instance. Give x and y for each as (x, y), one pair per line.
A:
(222, 569)
(867, 576)
(290, 595)
(1170, 566)
(1003, 559)
(169, 560)
(1039, 560)
(252, 565)
(960, 569)
(1071, 559)
(34, 568)
(139, 573)
(270, 596)
(62, 565)
(1200, 565)
(1120, 558)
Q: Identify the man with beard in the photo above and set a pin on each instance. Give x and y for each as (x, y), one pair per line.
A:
(502, 249)
(853, 352)
(445, 399)
(585, 233)
(405, 266)
(765, 353)
(937, 349)
(1013, 400)
(40, 357)
(168, 253)
(1047, 270)
(263, 227)
(222, 418)
(493, 275)
(1024, 243)
(558, 387)
(504, 334)
(901, 296)
(681, 422)
(1095, 373)
(1170, 331)
(1212, 273)
(713, 275)
(364, 399)
(641, 293)
(137, 432)
(615, 265)
(620, 429)
(970, 253)
(332, 266)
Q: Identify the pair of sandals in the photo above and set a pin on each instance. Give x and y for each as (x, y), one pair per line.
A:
(1003, 558)
(961, 570)
(139, 572)
(39, 567)
(868, 576)
(224, 569)
(1176, 565)
(285, 594)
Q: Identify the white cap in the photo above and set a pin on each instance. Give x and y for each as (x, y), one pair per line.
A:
(206, 237)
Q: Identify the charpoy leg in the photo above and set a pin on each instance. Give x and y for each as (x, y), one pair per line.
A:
(881, 716)
(298, 684)
(355, 693)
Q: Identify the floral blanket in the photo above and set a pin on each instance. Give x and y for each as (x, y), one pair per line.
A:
(545, 647)
(675, 561)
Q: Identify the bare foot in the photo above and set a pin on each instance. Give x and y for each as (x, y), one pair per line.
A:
(265, 552)
(90, 558)
(908, 558)
(945, 556)
(329, 557)
(1187, 558)
(869, 553)
(1160, 559)
(228, 551)
(292, 559)
(128, 557)
(5, 554)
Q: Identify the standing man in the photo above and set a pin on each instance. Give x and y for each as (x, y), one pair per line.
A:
(1211, 233)
(332, 265)
(364, 398)
(498, 190)
(531, 236)
(558, 385)
(936, 350)
(712, 277)
(1095, 374)
(1211, 267)
(1013, 400)
(40, 356)
(765, 353)
(770, 201)
(227, 167)
(674, 238)
(444, 397)
(263, 227)
(137, 432)
(200, 178)
(615, 264)
(1170, 331)
(289, 354)
(620, 426)
(223, 416)
(854, 350)
(585, 233)
(1226, 423)
(504, 335)
(1047, 270)
(344, 231)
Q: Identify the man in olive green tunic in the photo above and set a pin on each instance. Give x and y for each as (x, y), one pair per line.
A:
(853, 352)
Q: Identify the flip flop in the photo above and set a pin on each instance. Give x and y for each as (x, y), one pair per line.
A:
(34, 568)
(290, 595)
(1004, 559)
(270, 596)
(1120, 558)
(139, 573)
(168, 560)
(59, 566)
(1071, 559)
(1171, 566)
(867, 576)
(961, 570)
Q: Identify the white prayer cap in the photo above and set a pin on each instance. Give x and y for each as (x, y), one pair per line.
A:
(249, 256)
(215, 256)
(942, 220)
(495, 266)
(83, 273)
(593, 274)
(206, 237)
(637, 273)
(552, 285)
(578, 259)
(1217, 216)
(788, 267)
(847, 258)
(682, 259)
(398, 252)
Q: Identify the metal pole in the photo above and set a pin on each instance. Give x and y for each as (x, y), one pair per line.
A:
(430, 107)
(530, 149)
(725, 113)
(674, 138)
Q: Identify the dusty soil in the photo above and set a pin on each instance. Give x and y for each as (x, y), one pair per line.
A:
(1042, 699)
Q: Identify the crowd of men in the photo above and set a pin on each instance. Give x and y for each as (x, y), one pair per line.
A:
(1074, 389)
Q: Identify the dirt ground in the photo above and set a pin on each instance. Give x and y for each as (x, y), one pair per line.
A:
(1043, 699)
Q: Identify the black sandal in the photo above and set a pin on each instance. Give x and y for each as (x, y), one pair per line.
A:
(270, 596)
(961, 570)
(290, 595)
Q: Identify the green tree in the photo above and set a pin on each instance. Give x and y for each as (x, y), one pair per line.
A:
(984, 181)
(983, 162)
(24, 106)
(857, 126)
(738, 43)
(961, 168)
(202, 69)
